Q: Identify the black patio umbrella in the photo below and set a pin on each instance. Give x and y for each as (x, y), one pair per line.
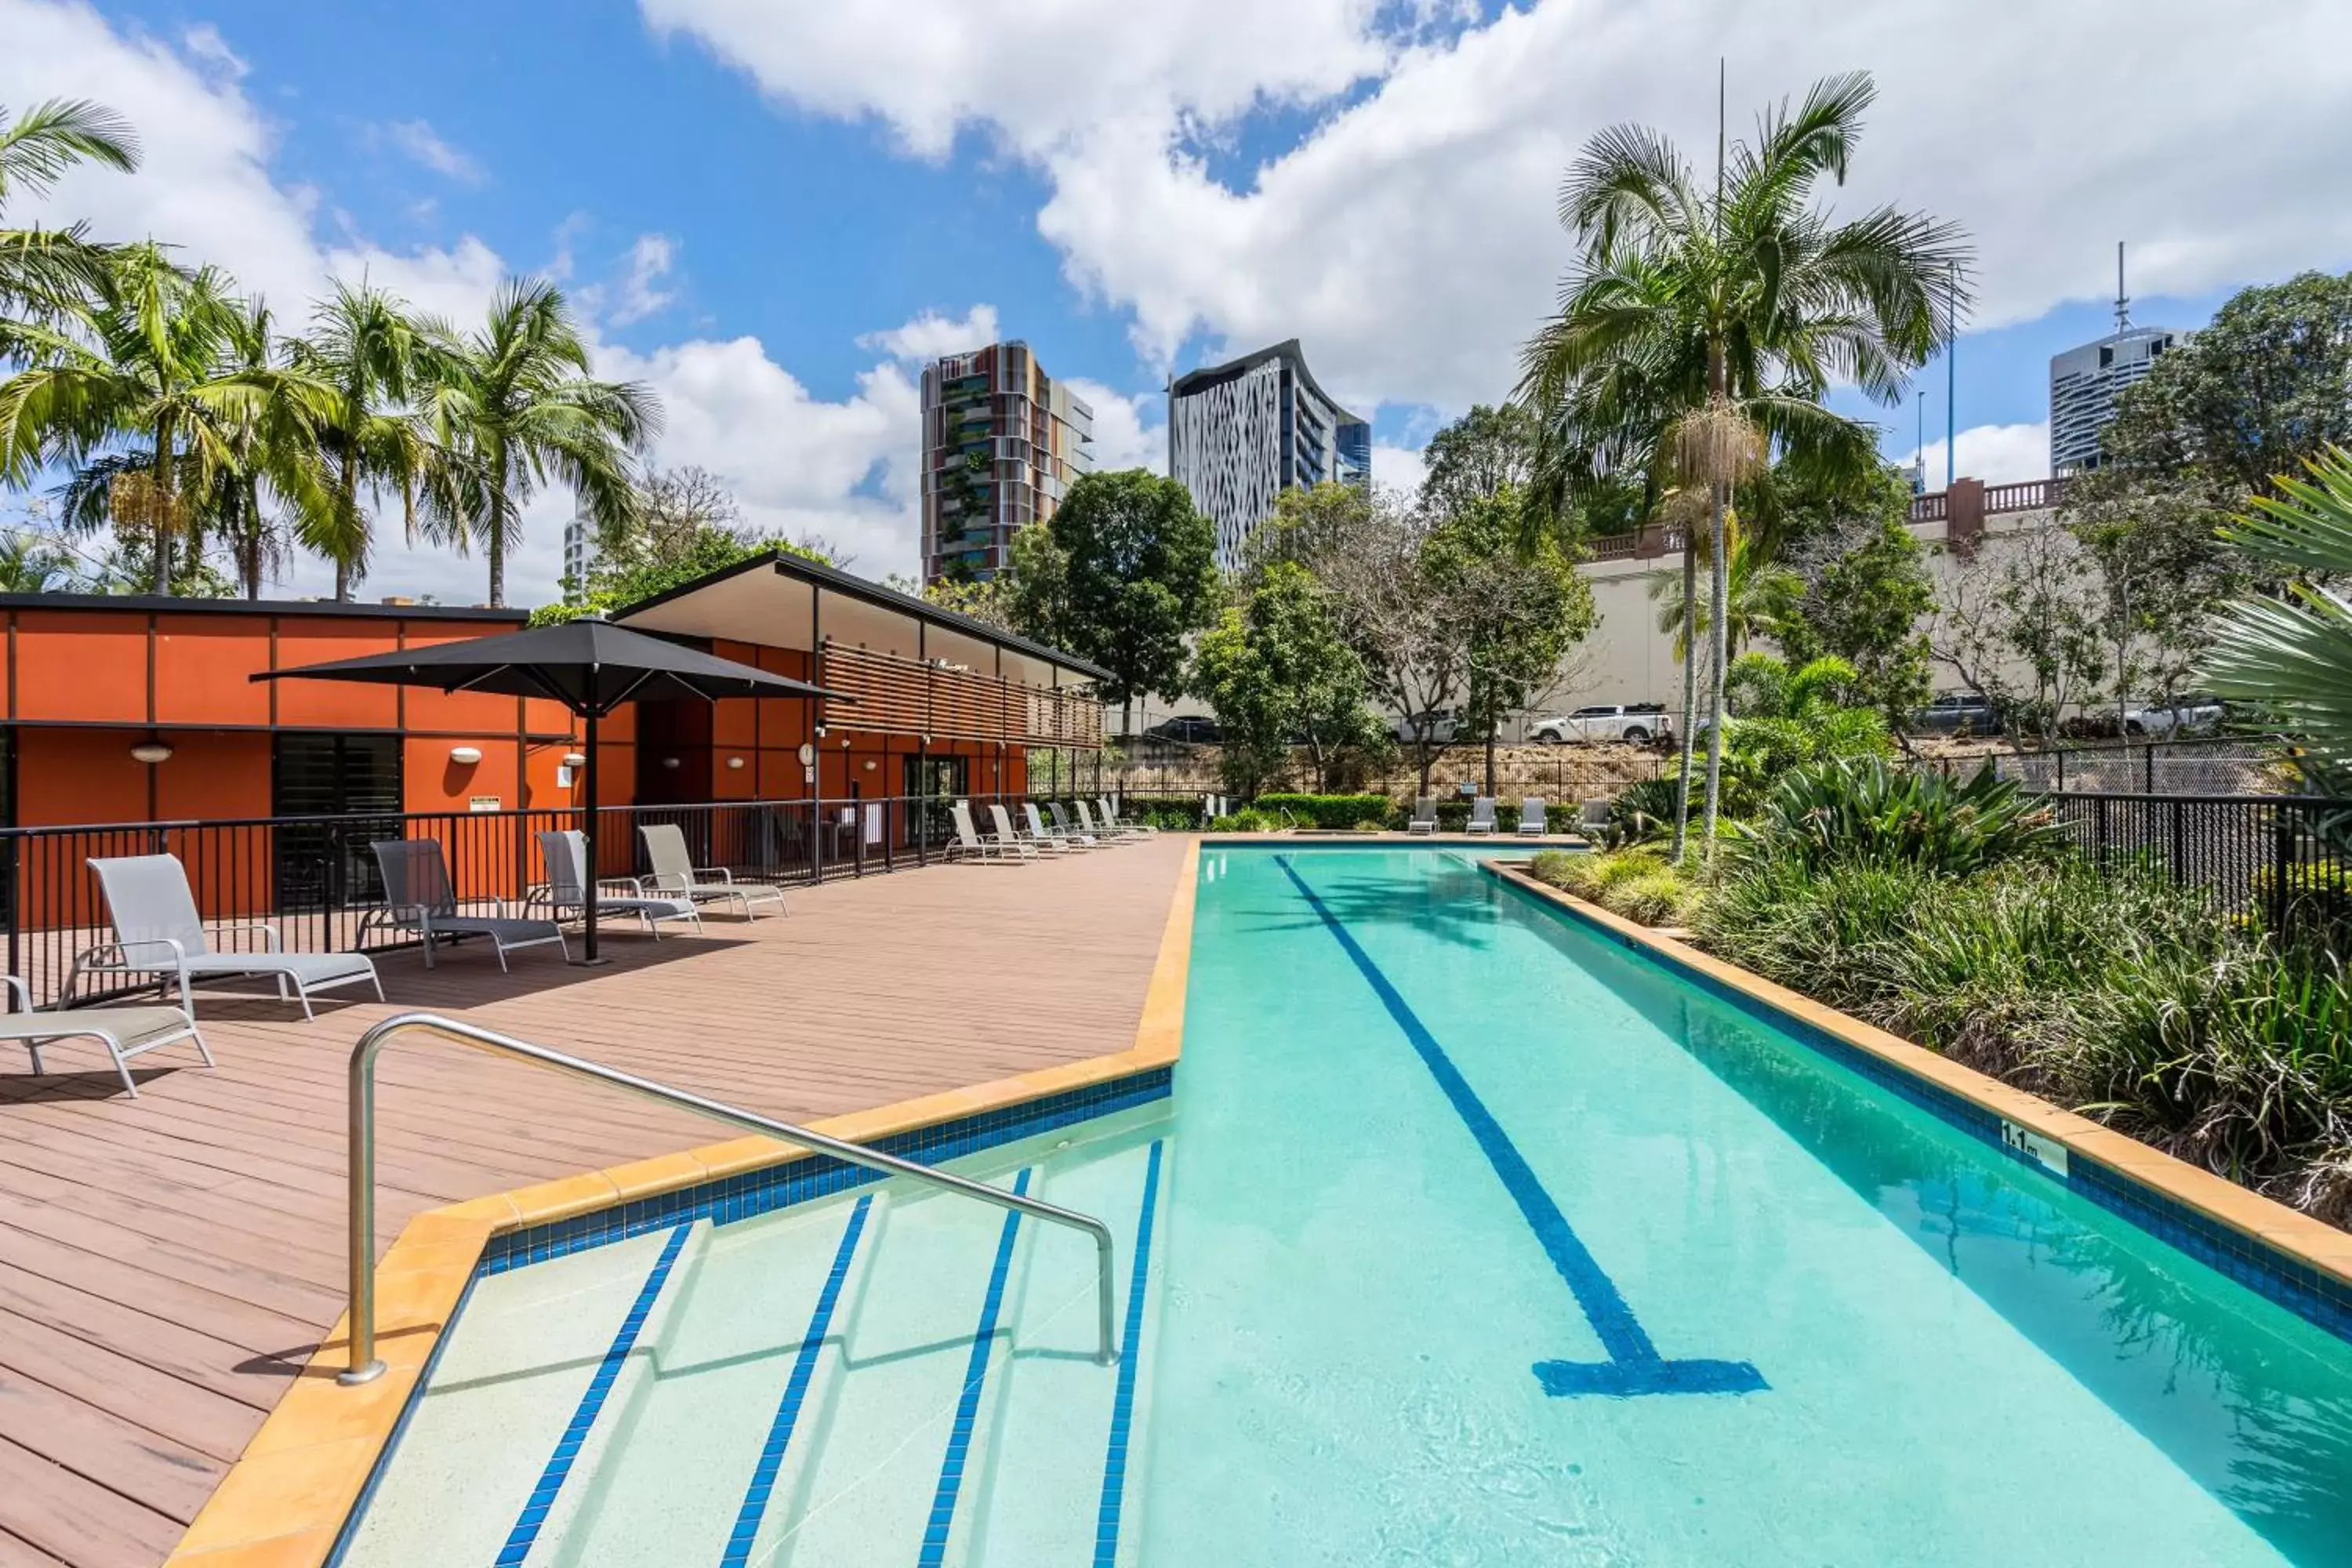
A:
(590, 666)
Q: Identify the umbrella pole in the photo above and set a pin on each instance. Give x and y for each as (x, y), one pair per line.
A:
(588, 839)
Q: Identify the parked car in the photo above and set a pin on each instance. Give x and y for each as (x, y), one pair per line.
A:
(1442, 727)
(2186, 715)
(1959, 713)
(1634, 722)
(1186, 729)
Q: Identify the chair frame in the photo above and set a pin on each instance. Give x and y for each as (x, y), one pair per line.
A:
(433, 923)
(618, 895)
(1534, 823)
(1481, 823)
(108, 1026)
(1417, 822)
(690, 886)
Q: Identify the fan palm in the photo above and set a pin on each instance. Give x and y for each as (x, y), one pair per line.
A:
(2292, 656)
(1697, 330)
(44, 270)
(365, 346)
(511, 406)
(155, 355)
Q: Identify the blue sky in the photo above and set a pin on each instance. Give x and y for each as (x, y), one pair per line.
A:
(772, 212)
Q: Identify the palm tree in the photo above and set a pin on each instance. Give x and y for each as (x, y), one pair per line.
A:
(1730, 315)
(44, 270)
(2292, 656)
(155, 355)
(364, 343)
(511, 406)
(31, 562)
(1760, 597)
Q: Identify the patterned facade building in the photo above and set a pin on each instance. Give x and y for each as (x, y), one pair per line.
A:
(2085, 383)
(1001, 443)
(1240, 434)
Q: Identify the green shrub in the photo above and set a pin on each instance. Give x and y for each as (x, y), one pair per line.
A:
(1653, 898)
(1569, 871)
(1248, 819)
(2109, 990)
(1861, 809)
(1372, 824)
(1333, 811)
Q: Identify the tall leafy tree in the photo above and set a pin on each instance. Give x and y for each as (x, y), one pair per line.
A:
(513, 406)
(1865, 597)
(1701, 328)
(1276, 668)
(1121, 575)
(364, 344)
(44, 272)
(153, 360)
(1487, 450)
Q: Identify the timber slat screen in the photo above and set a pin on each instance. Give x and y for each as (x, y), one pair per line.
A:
(899, 696)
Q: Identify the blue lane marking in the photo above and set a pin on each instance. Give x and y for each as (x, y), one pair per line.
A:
(975, 1372)
(788, 1412)
(1122, 1410)
(583, 1416)
(1634, 1365)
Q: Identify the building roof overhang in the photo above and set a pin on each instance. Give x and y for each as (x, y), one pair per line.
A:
(783, 600)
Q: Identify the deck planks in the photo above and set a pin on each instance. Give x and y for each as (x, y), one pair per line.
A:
(166, 1264)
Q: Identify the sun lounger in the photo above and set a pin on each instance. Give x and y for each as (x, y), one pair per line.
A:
(126, 1032)
(1007, 842)
(1045, 837)
(675, 873)
(1101, 828)
(418, 898)
(1067, 832)
(158, 932)
(567, 878)
(1482, 815)
(1133, 829)
(1531, 816)
(999, 849)
(1424, 815)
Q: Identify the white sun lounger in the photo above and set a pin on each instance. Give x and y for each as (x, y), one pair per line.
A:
(1102, 830)
(1482, 815)
(418, 898)
(125, 1032)
(1063, 829)
(1006, 841)
(994, 849)
(1531, 816)
(567, 876)
(1424, 815)
(157, 930)
(1139, 829)
(1045, 837)
(675, 872)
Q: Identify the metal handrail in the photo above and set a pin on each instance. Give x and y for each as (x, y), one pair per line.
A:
(363, 1365)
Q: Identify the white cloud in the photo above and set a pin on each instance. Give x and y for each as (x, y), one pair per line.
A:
(931, 336)
(641, 292)
(1130, 432)
(1400, 468)
(1997, 454)
(421, 143)
(204, 42)
(1409, 239)
(799, 464)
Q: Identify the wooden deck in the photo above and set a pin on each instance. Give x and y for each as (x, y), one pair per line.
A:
(166, 1263)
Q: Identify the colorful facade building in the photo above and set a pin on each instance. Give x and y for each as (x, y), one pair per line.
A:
(1003, 442)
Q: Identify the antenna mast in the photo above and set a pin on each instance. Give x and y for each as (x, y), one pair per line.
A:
(2122, 300)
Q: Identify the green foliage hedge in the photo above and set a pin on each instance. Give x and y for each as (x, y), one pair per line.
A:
(1332, 811)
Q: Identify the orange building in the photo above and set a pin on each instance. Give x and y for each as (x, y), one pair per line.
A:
(121, 709)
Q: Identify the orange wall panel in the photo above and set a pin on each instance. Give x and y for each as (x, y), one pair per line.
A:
(70, 776)
(204, 669)
(333, 704)
(85, 667)
(434, 781)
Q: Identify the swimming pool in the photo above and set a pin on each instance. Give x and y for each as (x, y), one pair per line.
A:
(1467, 1235)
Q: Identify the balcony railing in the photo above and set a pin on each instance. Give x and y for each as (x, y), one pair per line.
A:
(315, 877)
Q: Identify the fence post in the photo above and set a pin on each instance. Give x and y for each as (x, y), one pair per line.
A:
(2281, 858)
(2180, 843)
(2149, 753)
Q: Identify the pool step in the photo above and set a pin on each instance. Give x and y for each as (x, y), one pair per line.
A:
(890, 1375)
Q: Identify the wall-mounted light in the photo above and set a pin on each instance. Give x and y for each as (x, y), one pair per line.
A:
(735, 761)
(575, 759)
(669, 762)
(871, 764)
(464, 756)
(150, 752)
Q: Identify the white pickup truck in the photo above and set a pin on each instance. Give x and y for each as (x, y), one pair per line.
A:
(1637, 723)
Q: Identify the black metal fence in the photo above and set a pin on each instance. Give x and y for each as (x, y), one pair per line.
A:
(2285, 859)
(314, 878)
(2222, 766)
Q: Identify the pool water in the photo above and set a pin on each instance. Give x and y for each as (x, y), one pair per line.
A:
(1467, 1238)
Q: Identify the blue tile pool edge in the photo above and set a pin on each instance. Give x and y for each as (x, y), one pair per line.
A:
(2317, 1297)
(752, 1193)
